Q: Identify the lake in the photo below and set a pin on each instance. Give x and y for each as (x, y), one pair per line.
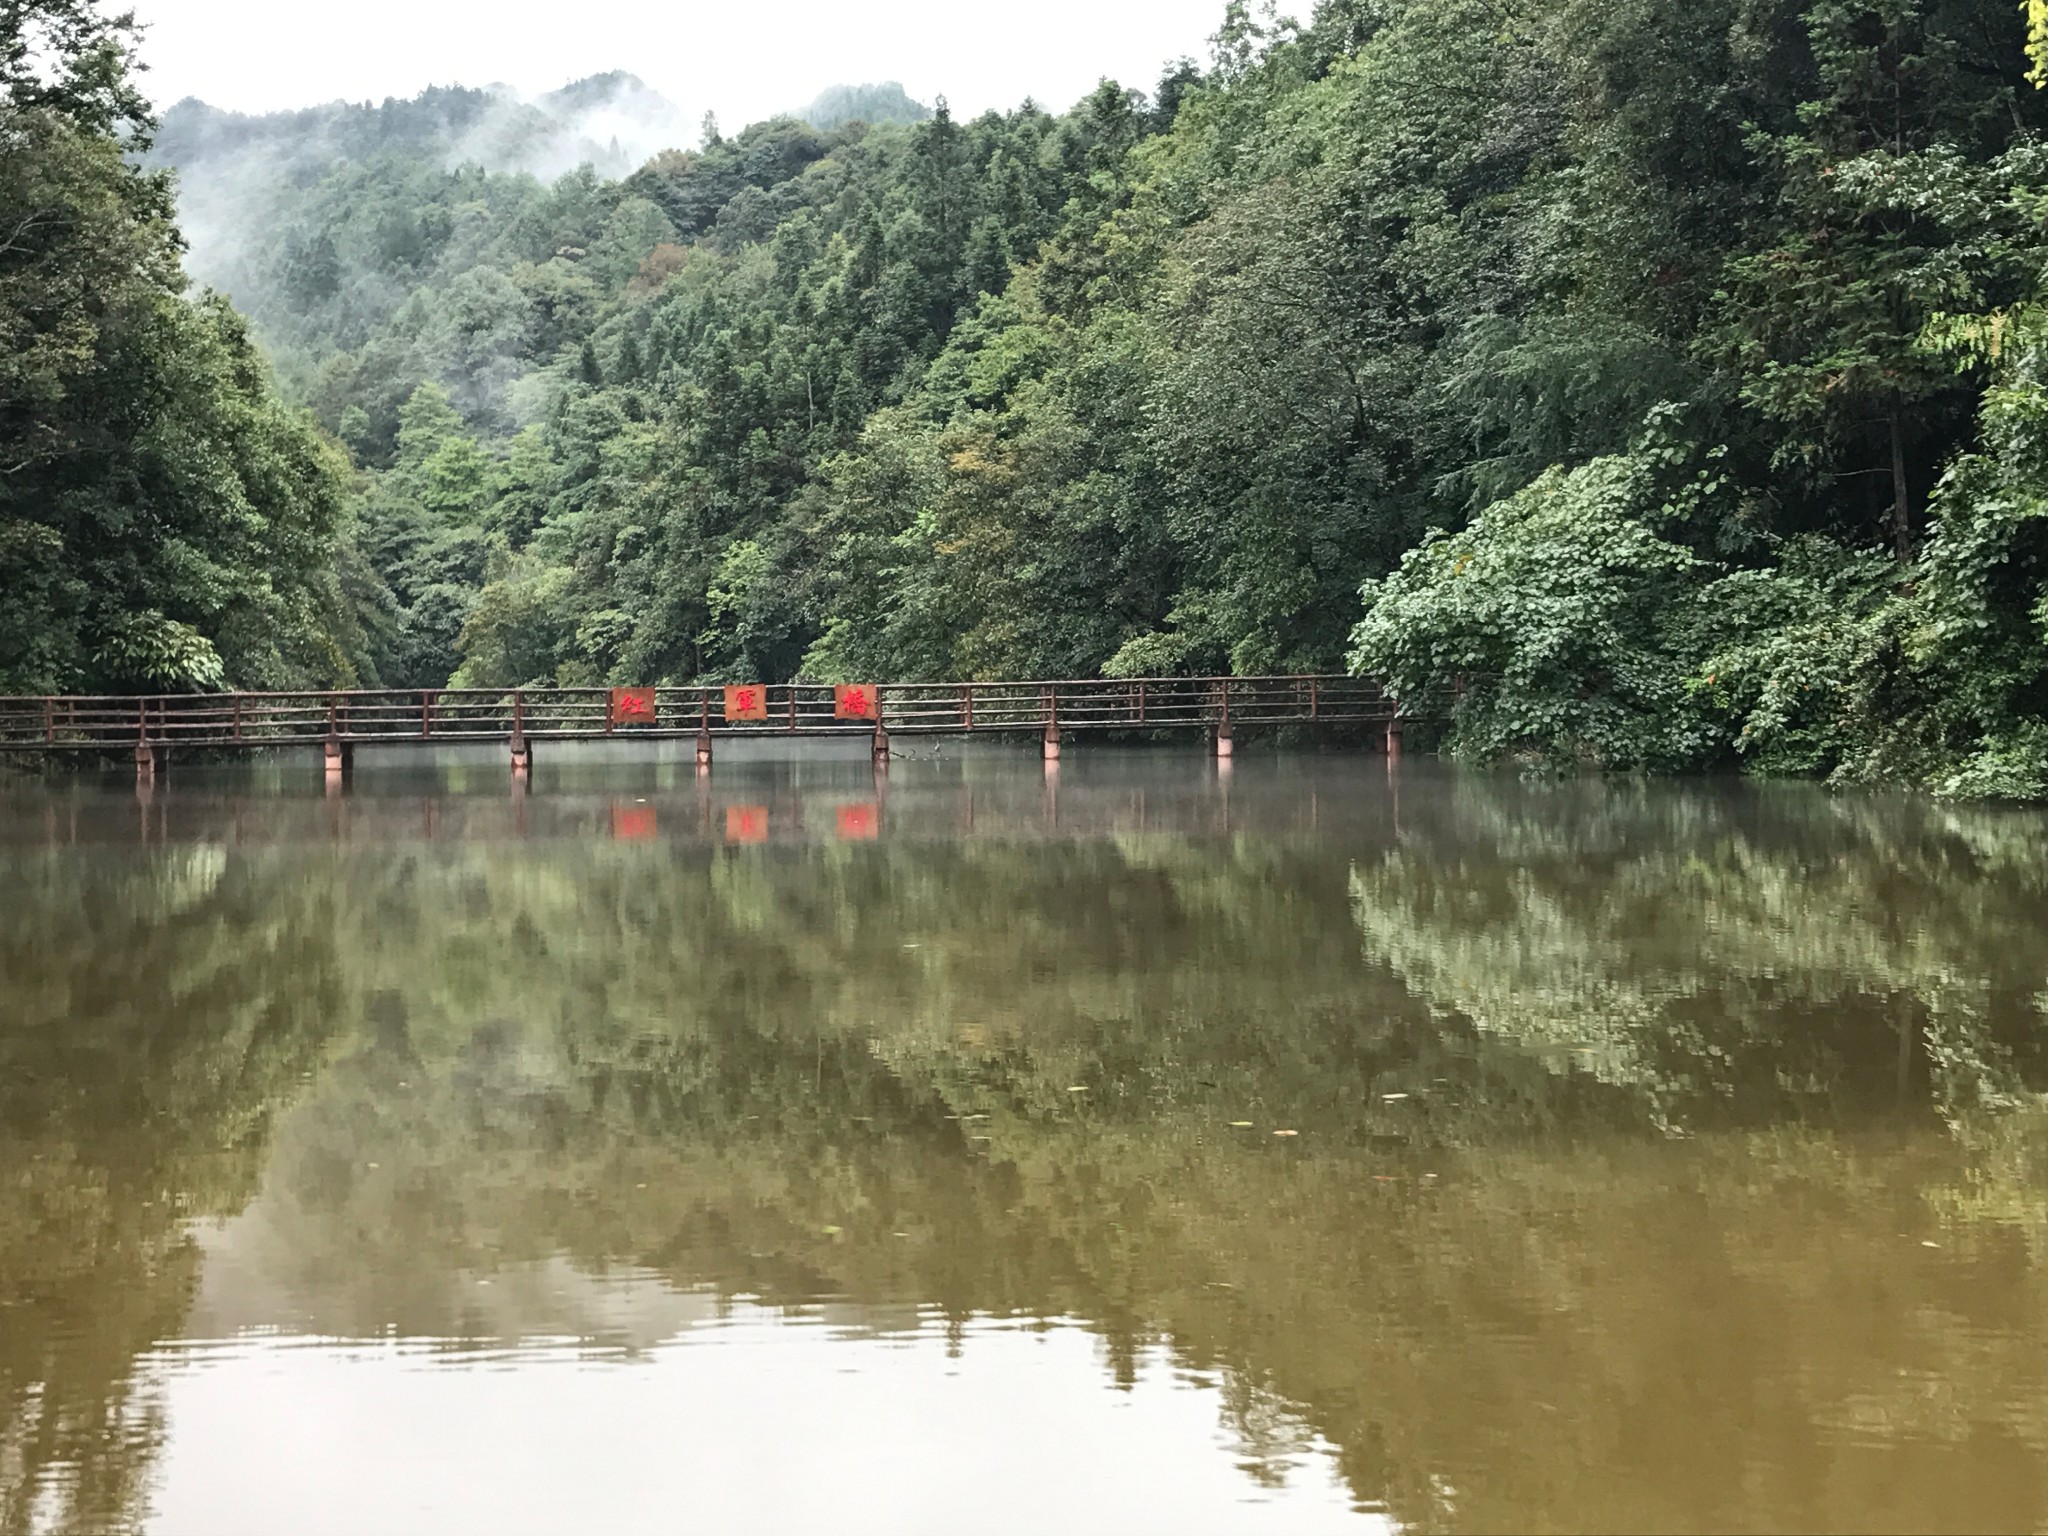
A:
(1136, 1146)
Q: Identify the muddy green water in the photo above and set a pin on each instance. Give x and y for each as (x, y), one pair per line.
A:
(1137, 1150)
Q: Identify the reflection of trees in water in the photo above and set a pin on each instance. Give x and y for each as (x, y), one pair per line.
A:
(849, 1072)
(153, 1016)
(1727, 952)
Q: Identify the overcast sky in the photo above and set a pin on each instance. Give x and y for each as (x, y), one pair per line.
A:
(744, 61)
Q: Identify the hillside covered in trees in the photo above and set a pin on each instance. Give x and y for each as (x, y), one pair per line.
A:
(1667, 374)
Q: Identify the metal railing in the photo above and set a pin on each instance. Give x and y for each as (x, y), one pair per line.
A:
(259, 720)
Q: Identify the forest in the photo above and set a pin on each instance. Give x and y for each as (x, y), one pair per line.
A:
(1668, 379)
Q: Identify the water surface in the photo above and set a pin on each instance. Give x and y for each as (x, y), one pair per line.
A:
(1307, 1149)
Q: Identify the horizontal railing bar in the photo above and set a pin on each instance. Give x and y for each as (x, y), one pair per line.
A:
(414, 716)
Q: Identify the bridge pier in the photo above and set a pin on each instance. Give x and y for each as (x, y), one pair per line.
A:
(1052, 742)
(703, 750)
(340, 758)
(881, 745)
(522, 749)
(150, 759)
(1226, 745)
(1394, 740)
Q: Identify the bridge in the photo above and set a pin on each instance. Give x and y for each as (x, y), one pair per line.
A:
(526, 719)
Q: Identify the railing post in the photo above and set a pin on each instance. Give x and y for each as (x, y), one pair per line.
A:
(792, 709)
(522, 751)
(50, 721)
(238, 717)
(145, 754)
(1141, 701)
(1314, 697)
(967, 704)
(1052, 724)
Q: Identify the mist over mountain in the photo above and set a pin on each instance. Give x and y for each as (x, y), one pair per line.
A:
(611, 122)
(237, 171)
(883, 103)
(631, 120)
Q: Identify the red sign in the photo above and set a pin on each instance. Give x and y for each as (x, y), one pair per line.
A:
(856, 701)
(632, 706)
(632, 823)
(746, 823)
(860, 823)
(749, 701)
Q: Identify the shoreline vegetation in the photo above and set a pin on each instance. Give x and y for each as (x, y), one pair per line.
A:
(1669, 379)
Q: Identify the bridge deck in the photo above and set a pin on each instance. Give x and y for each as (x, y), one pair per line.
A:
(231, 721)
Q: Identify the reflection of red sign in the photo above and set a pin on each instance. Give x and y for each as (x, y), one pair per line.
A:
(749, 701)
(746, 823)
(632, 823)
(855, 701)
(632, 706)
(860, 823)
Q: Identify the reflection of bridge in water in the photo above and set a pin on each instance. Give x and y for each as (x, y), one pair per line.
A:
(339, 721)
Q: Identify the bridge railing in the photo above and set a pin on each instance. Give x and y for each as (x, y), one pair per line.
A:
(458, 714)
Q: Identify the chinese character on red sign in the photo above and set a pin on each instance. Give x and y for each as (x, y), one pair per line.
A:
(860, 823)
(856, 701)
(746, 823)
(632, 706)
(749, 701)
(632, 823)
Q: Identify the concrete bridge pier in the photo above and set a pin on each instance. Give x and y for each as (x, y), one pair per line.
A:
(704, 751)
(1052, 742)
(1394, 740)
(340, 758)
(1226, 745)
(151, 758)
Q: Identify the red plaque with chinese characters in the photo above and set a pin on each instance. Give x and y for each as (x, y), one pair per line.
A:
(748, 701)
(632, 706)
(856, 701)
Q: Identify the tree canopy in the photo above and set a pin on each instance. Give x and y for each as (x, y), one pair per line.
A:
(166, 521)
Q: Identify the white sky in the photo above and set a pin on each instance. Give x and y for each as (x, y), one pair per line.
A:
(743, 61)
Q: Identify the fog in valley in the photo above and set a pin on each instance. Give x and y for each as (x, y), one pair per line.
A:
(238, 173)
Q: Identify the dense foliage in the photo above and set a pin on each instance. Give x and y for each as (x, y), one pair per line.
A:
(165, 522)
(1665, 374)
